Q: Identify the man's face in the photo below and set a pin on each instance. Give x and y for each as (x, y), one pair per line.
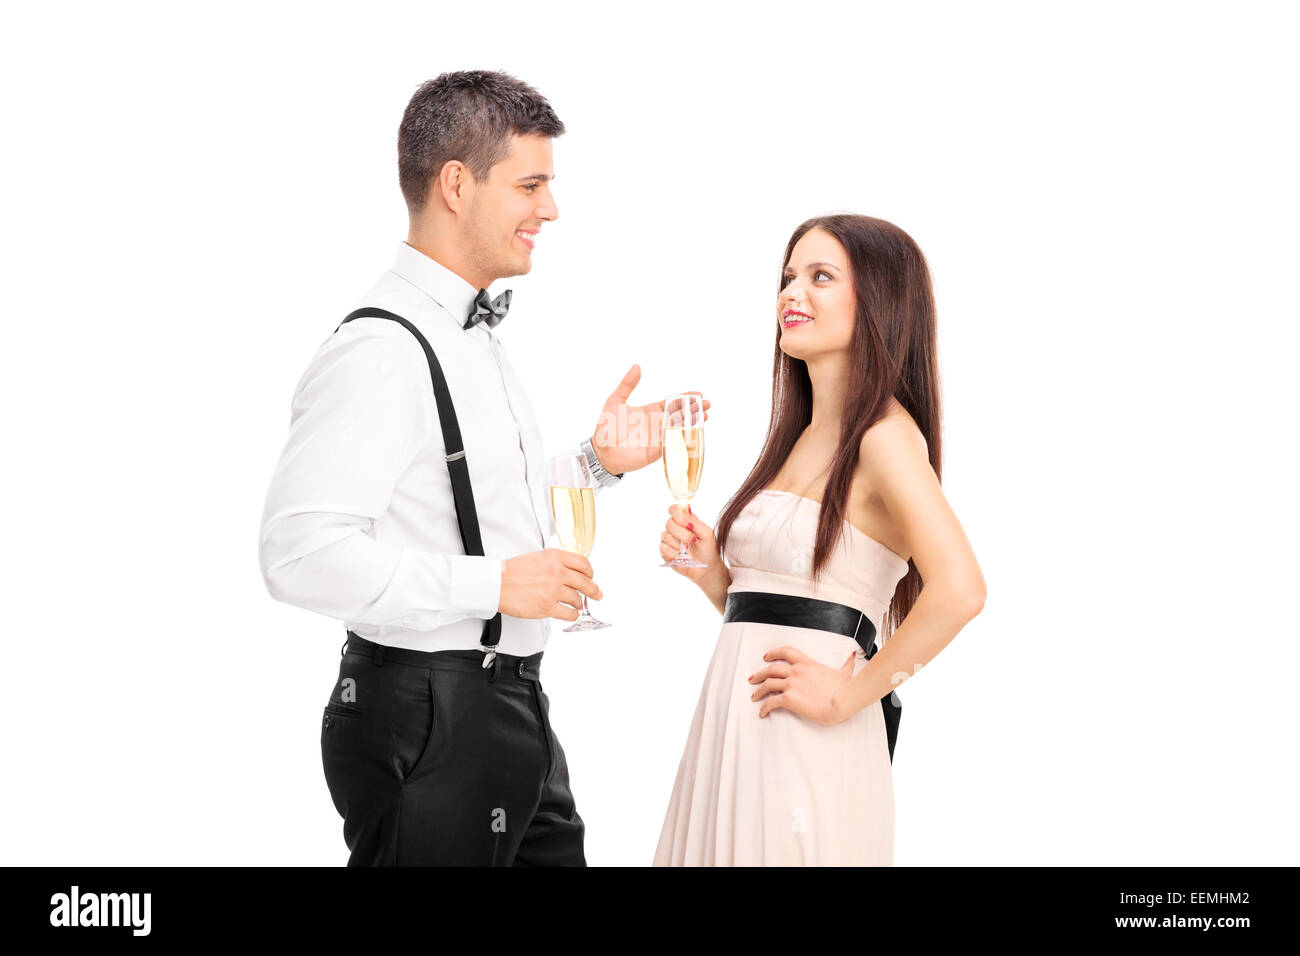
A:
(506, 210)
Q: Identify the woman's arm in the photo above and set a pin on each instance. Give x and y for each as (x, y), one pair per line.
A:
(686, 528)
(715, 583)
(898, 467)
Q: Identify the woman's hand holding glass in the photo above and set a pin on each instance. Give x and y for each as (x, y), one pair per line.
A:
(683, 458)
(685, 531)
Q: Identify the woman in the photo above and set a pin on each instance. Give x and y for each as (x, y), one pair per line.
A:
(789, 756)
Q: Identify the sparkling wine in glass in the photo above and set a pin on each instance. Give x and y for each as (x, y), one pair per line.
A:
(573, 504)
(683, 457)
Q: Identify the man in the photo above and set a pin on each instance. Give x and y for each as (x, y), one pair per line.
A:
(437, 746)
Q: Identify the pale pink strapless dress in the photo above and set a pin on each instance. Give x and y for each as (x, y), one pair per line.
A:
(782, 790)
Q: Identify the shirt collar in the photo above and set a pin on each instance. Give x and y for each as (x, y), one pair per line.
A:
(439, 283)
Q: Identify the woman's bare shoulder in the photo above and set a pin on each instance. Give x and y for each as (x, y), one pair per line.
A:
(895, 425)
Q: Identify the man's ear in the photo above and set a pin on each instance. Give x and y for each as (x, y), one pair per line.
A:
(453, 184)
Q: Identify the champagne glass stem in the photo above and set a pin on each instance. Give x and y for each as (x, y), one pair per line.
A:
(681, 551)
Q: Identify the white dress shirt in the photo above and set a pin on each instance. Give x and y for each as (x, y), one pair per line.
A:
(360, 522)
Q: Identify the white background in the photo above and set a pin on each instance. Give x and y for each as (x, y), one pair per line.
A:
(193, 197)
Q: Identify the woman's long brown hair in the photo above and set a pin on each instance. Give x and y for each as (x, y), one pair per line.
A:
(893, 352)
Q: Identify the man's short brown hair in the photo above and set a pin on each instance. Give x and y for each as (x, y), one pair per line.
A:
(469, 116)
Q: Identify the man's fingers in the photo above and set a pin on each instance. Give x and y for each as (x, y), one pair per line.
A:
(577, 562)
(624, 390)
(587, 586)
(705, 402)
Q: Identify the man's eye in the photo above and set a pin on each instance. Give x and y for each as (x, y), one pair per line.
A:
(531, 186)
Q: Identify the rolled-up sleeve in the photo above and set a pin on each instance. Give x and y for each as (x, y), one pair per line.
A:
(359, 417)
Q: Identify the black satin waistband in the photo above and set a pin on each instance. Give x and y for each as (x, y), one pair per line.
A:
(790, 610)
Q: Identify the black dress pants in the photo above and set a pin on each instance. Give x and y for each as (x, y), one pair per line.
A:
(432, 759)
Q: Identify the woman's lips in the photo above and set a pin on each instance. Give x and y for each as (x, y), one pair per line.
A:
(792, 318)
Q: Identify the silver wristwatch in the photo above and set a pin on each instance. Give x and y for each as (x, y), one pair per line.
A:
(598, 472)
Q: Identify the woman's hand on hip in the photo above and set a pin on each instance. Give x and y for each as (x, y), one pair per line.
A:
(800, 684)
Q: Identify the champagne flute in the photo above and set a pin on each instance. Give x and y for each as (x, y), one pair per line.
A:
(683, 455)
(573, 505)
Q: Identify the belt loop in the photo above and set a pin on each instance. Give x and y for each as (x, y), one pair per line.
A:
(379, 655)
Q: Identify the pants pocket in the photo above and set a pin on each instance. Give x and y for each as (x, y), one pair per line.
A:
(348, 699)
(414, 724)
(344, 730)
(335, 709)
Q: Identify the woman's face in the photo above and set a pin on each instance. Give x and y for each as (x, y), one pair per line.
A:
(816, 308)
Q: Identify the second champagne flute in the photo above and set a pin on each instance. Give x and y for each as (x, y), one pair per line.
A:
(683, 456)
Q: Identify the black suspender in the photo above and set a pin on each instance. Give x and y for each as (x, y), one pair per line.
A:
(462, 492)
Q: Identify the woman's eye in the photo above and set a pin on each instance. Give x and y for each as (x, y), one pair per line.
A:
(820, 272)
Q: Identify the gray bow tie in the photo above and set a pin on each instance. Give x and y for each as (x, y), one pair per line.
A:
(490, 311)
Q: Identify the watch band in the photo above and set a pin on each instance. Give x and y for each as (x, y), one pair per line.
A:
(598, 472)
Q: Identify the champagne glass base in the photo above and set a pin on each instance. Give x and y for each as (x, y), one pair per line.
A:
(587, 623)
(683, 562)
